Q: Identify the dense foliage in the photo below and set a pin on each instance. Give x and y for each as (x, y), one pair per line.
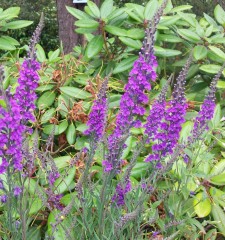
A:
(124, 137)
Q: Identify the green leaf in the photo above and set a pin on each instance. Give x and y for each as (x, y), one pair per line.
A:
(77, 13)
(137, 9)
(186, 130)
(54, 55)
(46, 100)
(218, 168)
(75, 92)
(221, 84)
(181, 8)
(164, 52)
(202, 205)
(189, 35)
(62, 183)
(136, 44)
(62, 162)
(40, 53)
(18, 24)
(48, 115)
(12, 10)
(169, 38)
(115, 30)
(44, 88)
(136, 33)
(200, 52)
(218, 52)
(2, 103)
(94, 9)
(10, 40)
(106, 8)
(94, 46)
(219, 15)
(134, 16)
(81, 127)
(125, 64)
(85, 30)
(217, 116)
(190, 18)
(219, 217)
(71, 134)
(5, 45)
(211, 68)
(168, 20)
(58, 129)
(150, 9)
(87, 23)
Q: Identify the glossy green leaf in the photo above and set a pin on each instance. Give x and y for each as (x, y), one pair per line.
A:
(58, 129)
(11, 40)
(46, 100)
(5, 45)
(219, 216)
(189, 35)
(81, 127)
(85, 30)
(169, 38)
(106, 8)
(211, 68)
(71, 134)
(94, 46)
(77, 13)
(87, 23)
(219, 15)
(190, 18)
(150, 9)
(217, 116)
(217, 51)
(168, 20)
(62, 162)
(186, 130)
(181, 8)
(40, 53)
(62, 183)
(54, 55)
(94, 9)
(48, 115)
(200, 52)
(44, 88)
(115, 30)
(164, 52)
(135, 33)
(136, 44)
(202, 205)
(12, 10)
(125, 64)
(18, 24)
(75, 92)
(137, 9)
(221, 84)
(218, 168)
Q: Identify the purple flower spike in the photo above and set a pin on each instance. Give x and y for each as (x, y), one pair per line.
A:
(97, 117)
(17, 191)
(169, 128)
(3, 198)
(121, 191)
(207, 110)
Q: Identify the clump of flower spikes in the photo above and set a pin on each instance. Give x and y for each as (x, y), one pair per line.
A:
(207, 110)
(97, 118)
(169, 126)
(18, 110)
(131, 104)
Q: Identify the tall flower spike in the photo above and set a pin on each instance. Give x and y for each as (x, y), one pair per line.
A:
(98, 115)
(207, 110)
(157, 113)
(131, 104)
(168, 135)
(35, 38)
(18, 112)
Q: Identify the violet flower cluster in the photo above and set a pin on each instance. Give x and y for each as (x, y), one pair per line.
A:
(172, 118)
(207, 110)
(135, 96)
(97, 117)
(121, 191)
